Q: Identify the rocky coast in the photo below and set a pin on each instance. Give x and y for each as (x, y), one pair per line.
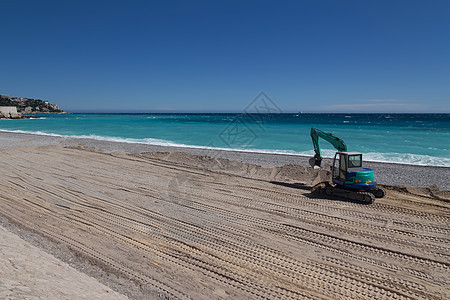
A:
(11, 113)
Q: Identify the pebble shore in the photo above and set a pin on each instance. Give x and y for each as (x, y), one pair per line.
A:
(386, 173)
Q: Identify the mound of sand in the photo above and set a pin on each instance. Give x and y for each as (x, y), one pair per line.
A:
(289, 173)
(286, 173)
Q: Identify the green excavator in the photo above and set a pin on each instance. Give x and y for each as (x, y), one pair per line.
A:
(350, 179)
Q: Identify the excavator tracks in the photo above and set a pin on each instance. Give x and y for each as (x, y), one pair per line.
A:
(187, 233)
(327, 189)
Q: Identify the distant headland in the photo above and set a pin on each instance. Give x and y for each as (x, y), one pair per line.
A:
(19, 108)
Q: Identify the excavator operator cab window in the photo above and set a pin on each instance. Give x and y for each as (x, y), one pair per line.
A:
(355, 161)
(343, 167)
(335, 167)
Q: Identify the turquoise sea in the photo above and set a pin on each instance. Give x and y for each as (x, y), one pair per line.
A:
(421, 139)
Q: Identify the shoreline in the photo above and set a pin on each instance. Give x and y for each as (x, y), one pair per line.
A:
(49, 139)
(386, 173)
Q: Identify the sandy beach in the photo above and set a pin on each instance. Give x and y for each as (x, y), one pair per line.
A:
(155, 222)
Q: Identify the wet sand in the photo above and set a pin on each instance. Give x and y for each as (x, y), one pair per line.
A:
(176, 225)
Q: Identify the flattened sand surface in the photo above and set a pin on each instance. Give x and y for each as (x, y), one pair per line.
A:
(27, 272)
(169, 225)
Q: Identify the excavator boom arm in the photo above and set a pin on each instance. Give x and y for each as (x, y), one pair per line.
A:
(333, 140)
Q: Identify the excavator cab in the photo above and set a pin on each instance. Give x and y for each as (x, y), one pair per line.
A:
(344, 161)
(348, 171)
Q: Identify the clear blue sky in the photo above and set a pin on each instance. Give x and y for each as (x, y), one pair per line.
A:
(146, 56)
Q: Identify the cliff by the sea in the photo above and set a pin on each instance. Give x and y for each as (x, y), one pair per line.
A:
(29, 105)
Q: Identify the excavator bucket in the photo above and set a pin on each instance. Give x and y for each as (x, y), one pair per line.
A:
(315, 161)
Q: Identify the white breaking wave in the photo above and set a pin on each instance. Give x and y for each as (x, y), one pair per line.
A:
(408, 158)
(397, 158)
(392, 157)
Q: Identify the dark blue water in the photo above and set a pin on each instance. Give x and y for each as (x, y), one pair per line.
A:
(402, 138)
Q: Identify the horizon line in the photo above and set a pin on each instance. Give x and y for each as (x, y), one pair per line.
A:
(237, 112)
